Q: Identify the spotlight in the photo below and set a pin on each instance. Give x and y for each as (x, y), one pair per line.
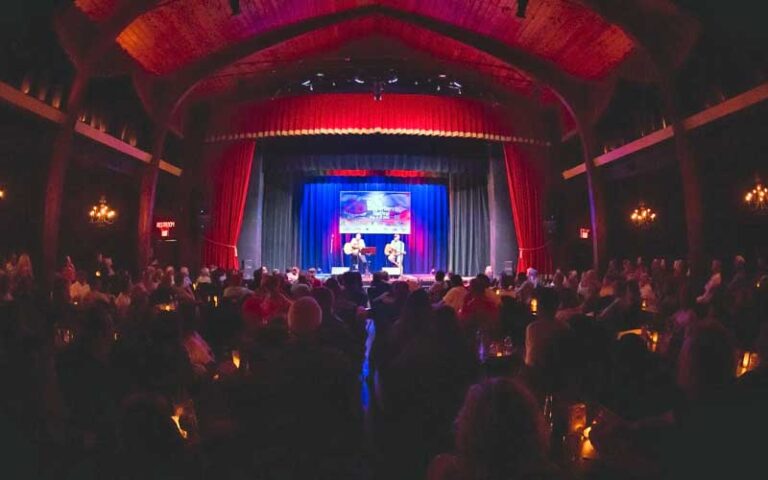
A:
(359, 80)
(522, 6)
(378, 91)
(392, 80)
(320, 74)
(308, 84)
(234, 5)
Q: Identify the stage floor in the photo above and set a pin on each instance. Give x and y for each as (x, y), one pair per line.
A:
(425, 279)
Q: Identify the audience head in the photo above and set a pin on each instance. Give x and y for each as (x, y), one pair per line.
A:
(24, 266)
(333, 285)
(400, 290)
(271, 283)
(439, 276)
(717, 266)
(477, 287)
(558, 280)
(324, 297)
(678, 267)
(485, 279)
(300, 290)
(532, 274)
(500, 431)
(507, 280)
(548, 301)
(235, 279)
(707, 358)
(488, 272)
(456, 280)
(304, 317)
(739, 263)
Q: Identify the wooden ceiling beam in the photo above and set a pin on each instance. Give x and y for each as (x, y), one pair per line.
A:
(87, 42)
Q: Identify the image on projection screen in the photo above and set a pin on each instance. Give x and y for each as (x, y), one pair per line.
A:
(375, 212)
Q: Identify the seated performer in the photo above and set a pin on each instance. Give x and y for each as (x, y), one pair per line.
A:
(395, 251)
(359, 262)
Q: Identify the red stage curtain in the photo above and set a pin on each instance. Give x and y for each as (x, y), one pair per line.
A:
(231, 170)
(525, 190)
(360, 114)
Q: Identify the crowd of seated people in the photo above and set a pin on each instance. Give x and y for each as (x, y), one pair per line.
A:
(285, 375)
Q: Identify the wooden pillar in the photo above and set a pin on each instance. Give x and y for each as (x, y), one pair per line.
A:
(187, 229)
(596, 195)
(690, 177)
(147, 191)
(57, 172)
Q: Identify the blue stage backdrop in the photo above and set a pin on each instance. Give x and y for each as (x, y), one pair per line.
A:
(321, 244)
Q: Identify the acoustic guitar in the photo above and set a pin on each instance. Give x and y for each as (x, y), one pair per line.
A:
(350, 249)
(389, 249)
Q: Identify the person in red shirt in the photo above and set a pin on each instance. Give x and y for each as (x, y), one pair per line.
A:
(265, 304)
(479, 311)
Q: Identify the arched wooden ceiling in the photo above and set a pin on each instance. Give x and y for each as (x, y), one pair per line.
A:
(363, 36)
(570, 46)
(177, 32)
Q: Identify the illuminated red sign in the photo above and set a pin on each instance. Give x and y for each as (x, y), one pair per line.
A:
(165, 227)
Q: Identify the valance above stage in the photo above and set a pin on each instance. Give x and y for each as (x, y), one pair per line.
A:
(360, 114)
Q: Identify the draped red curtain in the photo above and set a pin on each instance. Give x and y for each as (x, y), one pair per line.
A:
(526, 194)
(231, 171)
(359, 114)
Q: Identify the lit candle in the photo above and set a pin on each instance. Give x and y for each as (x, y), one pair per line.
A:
(236, 358)
(534, 306)
(176, 417)
(215, 301)
(587, 449)
(745, 360)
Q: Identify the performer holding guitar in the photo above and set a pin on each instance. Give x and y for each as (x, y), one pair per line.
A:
(353, 249)
(395, 250)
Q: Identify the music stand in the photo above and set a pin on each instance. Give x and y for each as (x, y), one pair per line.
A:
(369, 253)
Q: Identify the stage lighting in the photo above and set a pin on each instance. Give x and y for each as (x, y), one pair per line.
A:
(378, 91)
(392, 80)
(308, 84)
(359, 80)
(522, 6)
(234, 5)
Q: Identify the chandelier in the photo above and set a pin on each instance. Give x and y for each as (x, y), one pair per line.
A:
(757, 198)
(643, 216)
(102, 214)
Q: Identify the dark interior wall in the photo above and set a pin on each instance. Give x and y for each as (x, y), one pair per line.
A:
(730, 153)
(25, 149)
